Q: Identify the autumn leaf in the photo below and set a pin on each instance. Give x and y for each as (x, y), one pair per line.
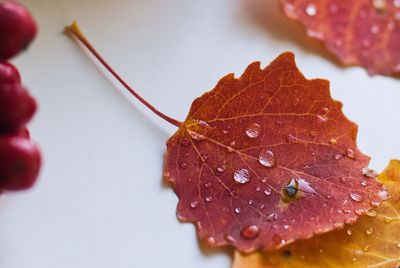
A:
(362, 32)
(373, 241)
(267, 159)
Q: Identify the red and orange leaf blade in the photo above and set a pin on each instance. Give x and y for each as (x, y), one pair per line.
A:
(362, 32)
(245, 140)
(373, 241)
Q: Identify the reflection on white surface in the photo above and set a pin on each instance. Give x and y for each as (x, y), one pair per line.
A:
(100, 201)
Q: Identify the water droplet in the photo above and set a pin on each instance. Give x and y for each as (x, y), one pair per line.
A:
(251, 202)
(264, 180)
(329, 196)
(366, 248)
(338, 156)
(231, 147)
(375, 29)
(262, 206)
(343, 180)
(388, 220)
(371, 213)
(204, 158)
(286, 227)
(363, 183)
(349, 232)
(268, 192)
(333, 141)
(398, 245)
(356, 197)
(350, 154)
(397, 17)
(369, 172)
(250, 232)
(267, 158)
(272, 216)
(221, 168)
(291, 188)
(346, 211)
(322, 118)
(258, 189)
(359, 211)
(230, 239)
(369, 231)
(296, 101)
(241, 176)
(208, 184)
(253, 130)
(383, 195)
(225, 131)
(208, 199)
(374, 204)
(311, 10)
(194, 204)
(237, 210)
(183, 165)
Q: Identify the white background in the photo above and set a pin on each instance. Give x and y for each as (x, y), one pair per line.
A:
(100, 201)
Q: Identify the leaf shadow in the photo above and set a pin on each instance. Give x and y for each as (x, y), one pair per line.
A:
(267, 15)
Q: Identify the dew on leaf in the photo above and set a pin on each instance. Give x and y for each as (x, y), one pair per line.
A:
(208, 199)
(370, 173)
(350, 154)
(258, 188)
(250, 232)
(272, 216)
(333, 141)
(388, 220)
(374, 204)
(366, 248)
(253, 130)
(383, 195)
(349, 232)
(267, 158)
(196, 136)
(241, 176)
(208, 184)
(211, 241)
(237, 210)
(371, 213)
(363, 183)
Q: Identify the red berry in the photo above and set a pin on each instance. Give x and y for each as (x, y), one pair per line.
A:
(17, 107)
(8, 73)
(19, 163)
(17, 29)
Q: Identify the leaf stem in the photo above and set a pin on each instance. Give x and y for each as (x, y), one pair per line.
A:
(76, 31)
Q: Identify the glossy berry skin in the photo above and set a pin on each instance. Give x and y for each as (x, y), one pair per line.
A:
(8, 73)
(17, 29)
(19, 163)
(17, 107)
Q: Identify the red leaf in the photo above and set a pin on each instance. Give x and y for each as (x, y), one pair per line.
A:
(362, 32)
(242, 143)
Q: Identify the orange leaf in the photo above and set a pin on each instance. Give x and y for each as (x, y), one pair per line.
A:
(267, 159)
(374, 241)
(362, 32)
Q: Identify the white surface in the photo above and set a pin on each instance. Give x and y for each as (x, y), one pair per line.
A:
(100, 201)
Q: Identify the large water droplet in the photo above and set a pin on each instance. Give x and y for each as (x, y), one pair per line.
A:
(211, 241)
(383, 195)
(241, 176)
(250, 232)
(253, 130)
(311, 10)
(356, 197)
(267, 158)
(291, 188)
(272, 216)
